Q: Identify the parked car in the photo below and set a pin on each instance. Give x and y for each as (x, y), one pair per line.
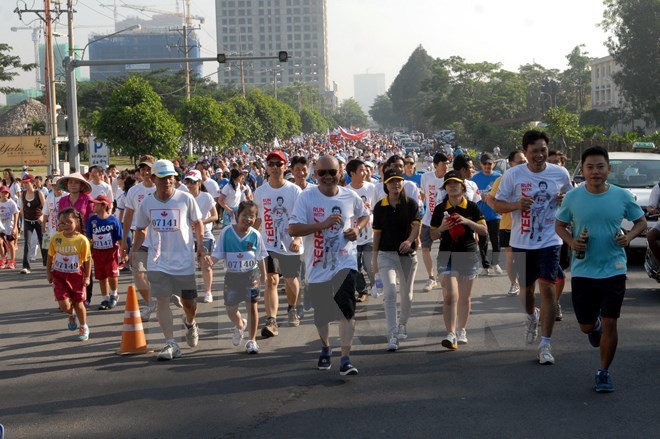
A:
(637, 172)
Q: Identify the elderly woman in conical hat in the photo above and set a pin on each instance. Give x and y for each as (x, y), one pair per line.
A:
(78, 195)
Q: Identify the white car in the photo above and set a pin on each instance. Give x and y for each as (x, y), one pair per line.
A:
(638, 172)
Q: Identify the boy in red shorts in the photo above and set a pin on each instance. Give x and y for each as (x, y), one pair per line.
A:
(105, 233)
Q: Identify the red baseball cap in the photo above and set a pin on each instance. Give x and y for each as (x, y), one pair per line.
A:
(27, 178)
(103, 199)
(276, 154)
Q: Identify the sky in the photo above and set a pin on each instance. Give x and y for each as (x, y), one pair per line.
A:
(378, 36)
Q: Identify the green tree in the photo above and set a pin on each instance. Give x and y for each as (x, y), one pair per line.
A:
(382, 113)
(313, 122)
(9, 68)
(204, 122)
(563, 126)
(576, 80)
(136, 122)
(277, 119)
(406, 88)
(635, 48)
(241, 114)
(350, 114)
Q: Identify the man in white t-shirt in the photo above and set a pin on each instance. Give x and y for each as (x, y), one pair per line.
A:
(431, 187)
(357, 170)
(50, 211)
(533, 193)
(275, 199)
(175, 224)
(99, 187)
(134, 198)
(318, 213)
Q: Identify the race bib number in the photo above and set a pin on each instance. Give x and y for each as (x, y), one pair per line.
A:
(165, 220)
(102, 241)
(241, 262)
(67, 263)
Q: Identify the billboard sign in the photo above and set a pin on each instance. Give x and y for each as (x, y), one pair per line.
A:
(25, 150)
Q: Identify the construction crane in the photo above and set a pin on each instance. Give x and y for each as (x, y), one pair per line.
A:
(36, 34)
(188, 18)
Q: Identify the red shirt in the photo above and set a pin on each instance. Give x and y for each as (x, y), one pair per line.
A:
(83, 205)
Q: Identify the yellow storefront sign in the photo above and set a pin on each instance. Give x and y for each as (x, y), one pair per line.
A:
(24, 150)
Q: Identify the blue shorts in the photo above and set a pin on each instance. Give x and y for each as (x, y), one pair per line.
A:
(239, 287)
(537, 264)
(465, 264)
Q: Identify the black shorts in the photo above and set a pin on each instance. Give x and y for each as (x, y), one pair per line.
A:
(594, 297)
(505, 237)
(289, 266)
(334, 299)
(541, 263)
(240, 287)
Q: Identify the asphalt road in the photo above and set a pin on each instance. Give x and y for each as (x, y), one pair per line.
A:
(53, 386)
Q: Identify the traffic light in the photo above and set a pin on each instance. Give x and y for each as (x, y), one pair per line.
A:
(222, 58)
(283, 56)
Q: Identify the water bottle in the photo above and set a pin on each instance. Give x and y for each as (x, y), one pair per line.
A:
(377, 289)
(584, 237)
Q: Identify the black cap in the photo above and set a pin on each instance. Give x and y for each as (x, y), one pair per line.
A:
(453, 176)
(392, 174)
(486, 157)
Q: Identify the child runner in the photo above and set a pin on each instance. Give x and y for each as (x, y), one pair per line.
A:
(105, 233)
(69, 267)
(9, 219)
(243, 250)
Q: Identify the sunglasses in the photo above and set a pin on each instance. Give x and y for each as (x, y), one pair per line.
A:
(275, 164)
(410, 163)
(323, 172)
(189, 181)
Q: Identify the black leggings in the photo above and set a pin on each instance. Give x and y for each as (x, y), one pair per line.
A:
(30, 227)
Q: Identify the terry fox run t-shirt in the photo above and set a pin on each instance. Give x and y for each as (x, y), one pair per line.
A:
(171, 234)
(327, 250)
(275, 209)
(534, 228)
(368, 194)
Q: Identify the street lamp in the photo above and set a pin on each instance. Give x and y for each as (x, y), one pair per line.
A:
(72, 97)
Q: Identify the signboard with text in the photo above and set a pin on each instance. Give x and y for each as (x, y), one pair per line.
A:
(25, 150)
(99, 154)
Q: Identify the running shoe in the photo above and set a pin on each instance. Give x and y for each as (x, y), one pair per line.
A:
(208, 297)
(461, 336)
(293, 317)
(3, 263)
(192, 333)
(594, 336)
(83, 333)
(145, 312)
(430, 284)
(113, 301)
(559, 316)
(450, 341)
(544, 354)
(603, 382)
(403, 333)
(72, 325)
(176, 301)
(238, 334)
(393, 344)
(324, 362)
(533, 327)
(300, 309)
(347, 369)
(11, 265)
(483, 272)
(251, 347)
(169, 352)
(25, 271)
(514, 290)
(497, 269)
(270, 329)
(105, 305)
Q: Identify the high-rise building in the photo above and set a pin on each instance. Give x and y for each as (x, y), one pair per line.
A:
(160, 38)
(265, 27)
(367, 87)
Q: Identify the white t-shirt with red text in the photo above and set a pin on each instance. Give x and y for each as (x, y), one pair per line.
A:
(275, 210)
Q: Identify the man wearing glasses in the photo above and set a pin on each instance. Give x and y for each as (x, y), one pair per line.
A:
(285, 254)
(409, 172)
(332, 289)
(485, 180)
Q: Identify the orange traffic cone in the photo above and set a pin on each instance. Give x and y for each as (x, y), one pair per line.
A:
(133, 340)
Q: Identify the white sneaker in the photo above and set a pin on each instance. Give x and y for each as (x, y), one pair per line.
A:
(393, 344)
(238, 334)
(403, 333)
(170, 351)
(514, 290)
(208, 297)
(145, 312)
(176, 301)
(25, 271)
(251, 347)
(497, 269)
(430, 284)
(450, 341)
(483, 272)
(461, 336)
(192, 333)
(544, 355)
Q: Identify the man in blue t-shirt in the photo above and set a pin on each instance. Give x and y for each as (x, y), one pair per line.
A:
(598, 265)
(484, 181)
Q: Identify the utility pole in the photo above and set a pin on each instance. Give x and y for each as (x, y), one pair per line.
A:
(72, 104)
